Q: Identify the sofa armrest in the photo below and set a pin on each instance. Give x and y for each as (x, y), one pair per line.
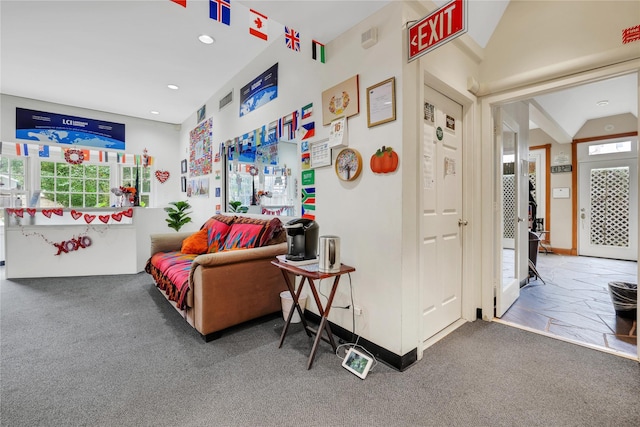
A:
(240, 255)
(166, 242)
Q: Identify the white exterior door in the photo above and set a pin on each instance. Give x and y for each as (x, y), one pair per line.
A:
(608, 193)
(441, 216)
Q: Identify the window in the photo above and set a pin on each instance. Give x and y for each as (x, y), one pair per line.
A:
(67, 185)
(12, 182)
(144, 181)
(610, 148)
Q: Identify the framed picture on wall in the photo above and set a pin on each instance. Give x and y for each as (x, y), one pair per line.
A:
(183, 184)
(381, 102)
(341, 100)
(183, 166)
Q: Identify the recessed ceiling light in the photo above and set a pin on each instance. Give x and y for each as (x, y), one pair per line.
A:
(206, 39)
(602, 103)
(155, 112)
(174, 87)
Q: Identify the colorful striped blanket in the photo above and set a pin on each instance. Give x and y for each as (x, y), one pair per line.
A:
(171, 271)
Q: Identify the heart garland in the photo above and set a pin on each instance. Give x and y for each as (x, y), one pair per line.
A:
(162, 176)
(75, 243)
(75, 214)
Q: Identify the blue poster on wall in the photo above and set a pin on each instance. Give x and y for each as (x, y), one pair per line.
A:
(259, 91)
(63, 129)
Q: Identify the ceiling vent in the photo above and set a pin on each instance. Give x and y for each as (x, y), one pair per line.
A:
(369, 37)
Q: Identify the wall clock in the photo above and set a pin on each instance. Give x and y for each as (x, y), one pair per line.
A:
(348, 164)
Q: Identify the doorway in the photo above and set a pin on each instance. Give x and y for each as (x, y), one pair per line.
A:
(608, 191)
(606, 176)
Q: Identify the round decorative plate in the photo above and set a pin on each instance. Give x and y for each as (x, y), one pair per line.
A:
(348, 164)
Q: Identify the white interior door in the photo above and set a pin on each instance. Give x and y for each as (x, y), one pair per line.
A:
(608, 194)
(512, 197)
(442, 220)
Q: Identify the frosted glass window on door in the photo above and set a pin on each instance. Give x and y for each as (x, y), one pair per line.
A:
(610, 207)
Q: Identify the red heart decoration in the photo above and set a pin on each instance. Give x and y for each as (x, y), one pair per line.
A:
(75, 214)
(128, 212)
(117, 216)
(31, 212)
(104, 218)
(19, 212)
(162, 176)
(89, 218)
(46, 212)
(57, 211)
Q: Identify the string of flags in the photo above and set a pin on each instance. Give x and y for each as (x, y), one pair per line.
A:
(74, 155)
(293, 126)
(220, 11)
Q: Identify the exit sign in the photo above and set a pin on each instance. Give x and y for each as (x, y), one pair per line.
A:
(436, 29)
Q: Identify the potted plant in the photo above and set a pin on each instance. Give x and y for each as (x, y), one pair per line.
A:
(235, 206)
(178, 215)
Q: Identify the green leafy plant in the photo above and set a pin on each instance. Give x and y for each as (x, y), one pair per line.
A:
(235, 206)
(178, 215)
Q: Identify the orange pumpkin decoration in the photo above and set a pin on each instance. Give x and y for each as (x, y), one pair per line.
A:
(384, 160)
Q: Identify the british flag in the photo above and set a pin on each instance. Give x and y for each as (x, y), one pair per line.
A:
(220, 10)
(292, 38)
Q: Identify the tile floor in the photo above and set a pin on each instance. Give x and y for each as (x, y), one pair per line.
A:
(575, 304)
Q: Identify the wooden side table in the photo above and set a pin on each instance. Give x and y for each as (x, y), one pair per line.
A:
(310, 276)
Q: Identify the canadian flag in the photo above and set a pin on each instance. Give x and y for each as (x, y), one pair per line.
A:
(257, 24)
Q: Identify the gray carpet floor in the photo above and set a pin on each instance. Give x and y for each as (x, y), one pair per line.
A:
(110, 351)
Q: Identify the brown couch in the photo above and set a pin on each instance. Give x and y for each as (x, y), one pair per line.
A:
(225, 288)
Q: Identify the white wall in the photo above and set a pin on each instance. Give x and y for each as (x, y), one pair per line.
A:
(160, 139)
(541, 40)
(366, 213)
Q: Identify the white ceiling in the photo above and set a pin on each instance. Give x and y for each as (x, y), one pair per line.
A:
(119, 56)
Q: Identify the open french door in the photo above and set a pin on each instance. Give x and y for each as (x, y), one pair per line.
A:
(511, 136)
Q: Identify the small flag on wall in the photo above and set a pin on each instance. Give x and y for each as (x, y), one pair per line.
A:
(307, 111)
(308, 130)
(182, 3)
(292, 38)
(317, 51)
(220, 10)
(258, 24)
(43, 151)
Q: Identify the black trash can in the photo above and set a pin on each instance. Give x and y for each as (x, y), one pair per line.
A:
(625, 298)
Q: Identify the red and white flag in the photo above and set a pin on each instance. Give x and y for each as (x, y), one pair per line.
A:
(258, 24)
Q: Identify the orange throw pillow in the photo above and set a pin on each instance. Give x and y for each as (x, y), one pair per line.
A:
(196, 243)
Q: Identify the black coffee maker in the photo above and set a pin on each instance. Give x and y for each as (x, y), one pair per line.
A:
(302, 239)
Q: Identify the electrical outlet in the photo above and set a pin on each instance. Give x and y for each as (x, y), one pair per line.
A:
(357, 310)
